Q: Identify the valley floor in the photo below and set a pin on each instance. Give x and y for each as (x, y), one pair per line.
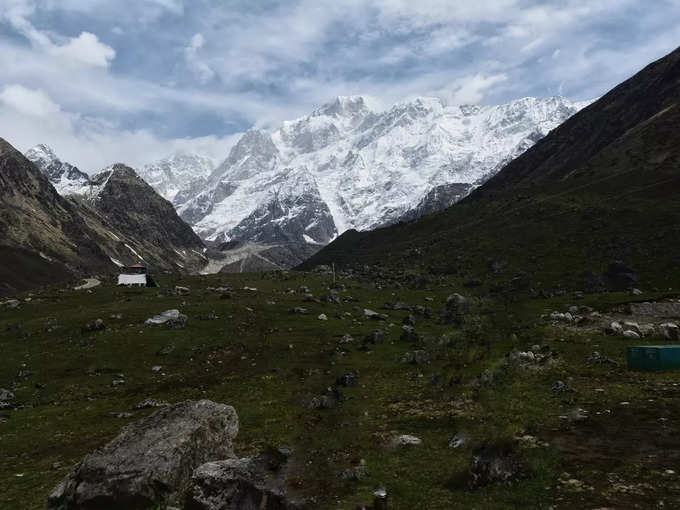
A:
(582, 431)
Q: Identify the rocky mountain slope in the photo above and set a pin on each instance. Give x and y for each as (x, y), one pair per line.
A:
(113, 219)
(598, 192)
(346, 166)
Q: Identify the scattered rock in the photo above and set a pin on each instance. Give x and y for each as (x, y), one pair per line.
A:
(96, 325)
(11, 304)
(298, 310)
(117, 382)
(322, 317)
(328, 400)
(170, 318)
(409, 320)
(156, 368)
(631, 326)
(458, 441)
(376, 337)
(151, 461)
(419, 357)
(370, 314)
(562, 317)
(149, 403)
(408, 334)
(182, 291)
(405, 440)
(456, 308)
(669, 331)
(598, 358)
(493, 464)
(614, 328)
(121, 415)
(560, 387)
(347, 379)
(346, 339)
(6, 398)
(355, 472)
(166, 350)
(24, 373)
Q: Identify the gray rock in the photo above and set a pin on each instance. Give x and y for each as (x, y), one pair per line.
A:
(370, 314)
(151, 461)
(458, 441)
(419, 357)
(96, 325)
(456, 308)
(631, 326)
(615, 328)
(669, 330)
(11, 304)
(355, 472)
(406, 440)
(494, 465)
(376, 337)
(346, 339)
(170, 318)
(182, 291)
(6, 395)
(299, 310)
(251, 483)
(151, 402)
(409, 320)
(409, 334)
(322, 317)
(348, 379)
(631, 335)
(560, 387)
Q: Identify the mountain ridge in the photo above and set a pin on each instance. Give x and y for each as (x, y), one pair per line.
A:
(597, 192)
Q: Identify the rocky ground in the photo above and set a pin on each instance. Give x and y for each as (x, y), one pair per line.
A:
(420, 389)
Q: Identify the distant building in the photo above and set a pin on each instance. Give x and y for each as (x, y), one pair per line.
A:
(135, 275)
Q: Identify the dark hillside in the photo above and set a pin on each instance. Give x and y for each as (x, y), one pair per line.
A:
(601, 188)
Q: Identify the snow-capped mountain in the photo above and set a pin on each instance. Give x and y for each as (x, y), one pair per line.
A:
(177, 174)
(346, 166)
(66, 178)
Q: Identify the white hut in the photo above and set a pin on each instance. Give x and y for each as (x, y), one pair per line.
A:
(133, 276)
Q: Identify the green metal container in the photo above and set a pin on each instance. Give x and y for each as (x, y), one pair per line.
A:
(654, 357)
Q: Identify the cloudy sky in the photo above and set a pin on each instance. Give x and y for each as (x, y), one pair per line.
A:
(134, 80)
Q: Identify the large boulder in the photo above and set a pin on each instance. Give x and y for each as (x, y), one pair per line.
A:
(252, 483)
(151, 461)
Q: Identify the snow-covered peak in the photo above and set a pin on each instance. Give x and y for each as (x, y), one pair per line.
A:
(343, 106)
(173, 174)
(41, 152)
(66, 178)
(368, 168)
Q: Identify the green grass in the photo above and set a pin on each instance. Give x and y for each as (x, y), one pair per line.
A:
(268, 363)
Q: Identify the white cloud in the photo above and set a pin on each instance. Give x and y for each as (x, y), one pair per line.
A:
(470, 89)
(35, 103)
(86, 49)
(203, 71)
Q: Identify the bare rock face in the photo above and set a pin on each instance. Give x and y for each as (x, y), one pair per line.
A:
(151, 461)
(251, 483)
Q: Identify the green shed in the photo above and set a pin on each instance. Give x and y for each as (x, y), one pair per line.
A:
(654, 357)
